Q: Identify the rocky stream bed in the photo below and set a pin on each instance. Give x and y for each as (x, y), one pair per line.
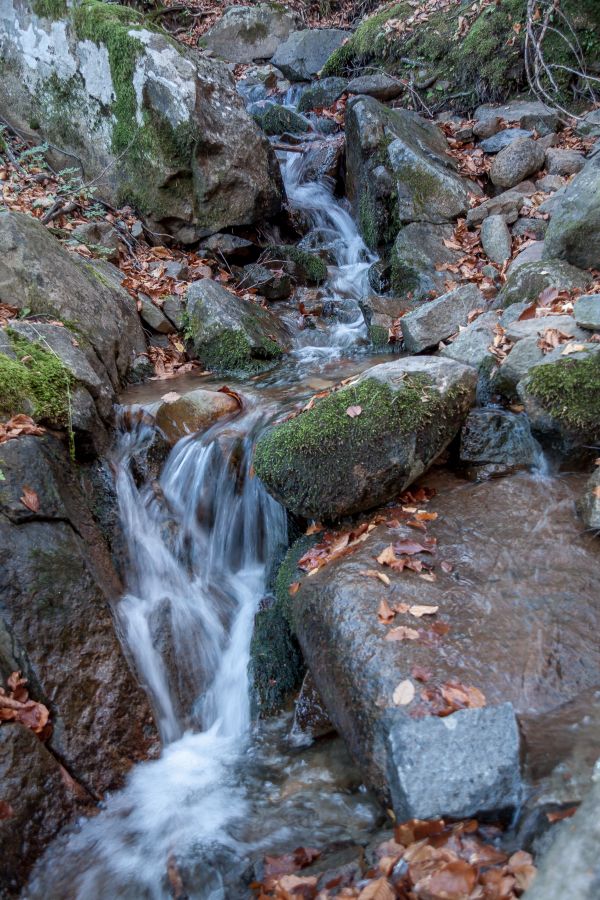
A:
(299, 427)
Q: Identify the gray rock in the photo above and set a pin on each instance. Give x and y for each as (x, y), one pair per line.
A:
(535, 228)
(486, 128)
(522, 358)
(571, 868)
(516, 162)
(246, 33)
(532, 253)
(495, 239)
(154, 317)
(305, 53)
(530, 114)
(455, 766)
(495, 441)
(150, 148)
(275, 119)
(322, 93)
(228, 245)
(99, 235)
(417, 258)
(550, 183)
(503, 139)
(327, 464)
(507, 205)
(436, 320)
(471, 346)
(74, 291)
(270, 284)
(590, 124)
(589, 504)
(174, 309)
(379, 85)
(528, 281)
(310, 715)
(549, 206)
(574, 232)
(324, 161)
(587, 312)
(564, 162)
(229, 334)
(516, 331)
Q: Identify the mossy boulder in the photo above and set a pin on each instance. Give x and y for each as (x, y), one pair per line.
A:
(276, 666)
(152, 123)
(529, 280)
(562, 396)
(306, 267)
(305, 52)
(485, 62)
(275, 119)
(229, 334)
(327, 463)
(574, 231)
(322, 94)
(418, 257)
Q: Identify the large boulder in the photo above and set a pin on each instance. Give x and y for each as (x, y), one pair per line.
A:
(574, 231)
(436, 320)
(365, 443)
(528, 281)
(398, 171)
(305, 52)
(153, 124)
(510, 614)
(247, 33)
(229, 334)
(57, 587)
(517, 162)
(420, 259)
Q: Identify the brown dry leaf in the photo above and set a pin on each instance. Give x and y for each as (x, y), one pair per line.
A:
(402, 633)
(446, 567)
(354, 411)
(461, 696)
(561, 814)
(420, 674)
(18, 425)
(417, 611)
(315, 528)
(6, 810)
(373, 573)
(402, 608)
(385, 613)
(380, 889)
(521, 866)
(454, 881)
(409, 548)
(387, 556)
(231, 393)
(294, 588)
(30, 499)
(404, 693)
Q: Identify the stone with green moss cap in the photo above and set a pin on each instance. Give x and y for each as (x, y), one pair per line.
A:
(229, 334)
(326, 464)
(153, 124)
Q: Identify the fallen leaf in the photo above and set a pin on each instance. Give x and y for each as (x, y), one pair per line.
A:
(446, 567)
(418, 611)
(454, 881)
(30, 499)
(386, 556)
(402, 633)
(230, 393)
(385, 613)
(411, 547)
(561, 814)
(294, 588)
(315, 528)
(402, 608)
(573, 348)
(6, 810)
(404, 693)
(354, 411)
(461, 696)
(373, 573)
(420, 674)
(380, 889)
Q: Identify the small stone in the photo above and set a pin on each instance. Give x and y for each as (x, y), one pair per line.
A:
(503, 139)
(154, 317)
(457, 766)
(464, 134)
(486, 128)
(550, 183)
(516, 162)
(379, 85)
(587, 312)
(564, 162)
(547, 141)
(228, 245)
(534, 228)
(472, 344)
(495, 239)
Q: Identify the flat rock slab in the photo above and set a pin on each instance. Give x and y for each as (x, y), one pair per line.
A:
(436, 320)
(502, 139)
(518, 603)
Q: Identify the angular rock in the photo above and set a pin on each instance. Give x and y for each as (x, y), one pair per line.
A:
(326, 463)
(162, 125)
(100, 235)
(246, 33)
(193, 412)
(550, 183)
(305, 52)
(497, 442)
(516, 162)
(522, 358)
(228, 245)
(41, 276)
(57, 590)
(516, 330)
(530, 114)
(471, 346)
(174, 309)
(379, 85)
(590, 124)
(507, 205)
(535, 228)
(310, 716)
(272, 285)
(418, 257)
(571, 867)
(533, 253)
(495, 239)
(322, 94)
(229, 334)
(523, 638)
(528, 281)
(455, 766)
(324, 161)
(564, 162)
(276, 119)
(436, 320)
(589, 504)
(587, 312)
(502, 139)
(40, 799)
(152, 316)
(574, 232)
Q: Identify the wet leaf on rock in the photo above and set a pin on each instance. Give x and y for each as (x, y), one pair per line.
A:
(354, 411)
(402, 633)
(385, 613)
(404, 693)
(30, 499)
(419, 611)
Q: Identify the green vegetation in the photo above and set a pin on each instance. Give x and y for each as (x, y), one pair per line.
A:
(309, 266)
(276, 663)
(50, 9)
(35, 382)
(231, 351)
(569, 391)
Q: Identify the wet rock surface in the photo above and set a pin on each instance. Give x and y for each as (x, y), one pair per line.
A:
(436, 320)
(194, 411)
(245, 34)
(305, 53)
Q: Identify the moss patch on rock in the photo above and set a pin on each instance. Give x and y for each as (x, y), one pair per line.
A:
(276, 663)
(569, 391)
(35, 382)
(231, 351)
(308, 266)
(276, 119)
(50, 9)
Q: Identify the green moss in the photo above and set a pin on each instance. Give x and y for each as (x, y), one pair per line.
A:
(309, 266)
(276, 665)
(232, 352)
(58, 103)
(379, 336)
(36, 382)
(50, 9)
(276, 119)
(569, 391)
(366, 42)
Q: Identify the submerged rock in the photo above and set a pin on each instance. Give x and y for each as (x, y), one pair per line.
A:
(246, 33)
(436, 320)
(497, 442)
(192, 412)
(229, 334)
(163, 126)
(327, 463)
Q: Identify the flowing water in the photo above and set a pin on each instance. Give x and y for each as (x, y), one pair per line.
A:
(201, 546)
